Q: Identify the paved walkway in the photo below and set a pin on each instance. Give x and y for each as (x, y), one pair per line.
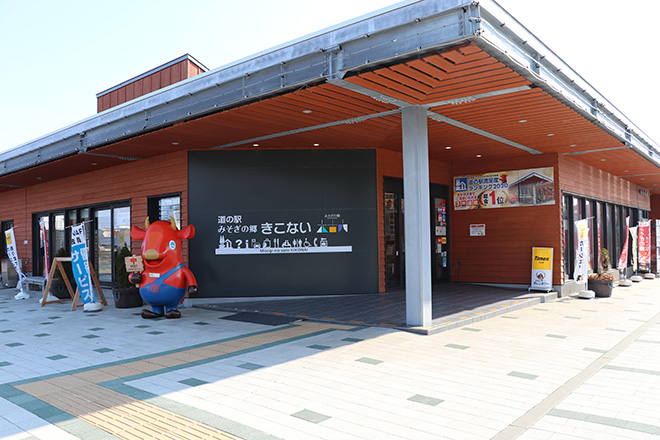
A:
(453, 305)
(565, 369)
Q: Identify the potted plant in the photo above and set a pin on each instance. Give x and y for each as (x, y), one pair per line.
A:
(58, 286)
(601, 283)
(605, 259)
(126, 295)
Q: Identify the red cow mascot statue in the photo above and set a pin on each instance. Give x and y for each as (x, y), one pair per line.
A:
(165, 277)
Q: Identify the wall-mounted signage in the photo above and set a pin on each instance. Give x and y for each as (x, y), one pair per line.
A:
(504, 189)
(478, 230)
(273, 237)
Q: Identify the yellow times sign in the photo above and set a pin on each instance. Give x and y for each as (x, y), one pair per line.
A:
(542, 258)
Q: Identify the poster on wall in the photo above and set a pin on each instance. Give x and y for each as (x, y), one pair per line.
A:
(505, 189)
(644, 245)
(541, 269)
(478, 230)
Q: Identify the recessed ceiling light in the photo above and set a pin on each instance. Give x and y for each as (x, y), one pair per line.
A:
(306, 111)
(573, 145)
(603, 160)
(641, 178)
(522, 121)
(175, 143)
(316, 145)
(38, 178)
(551, 134)
(94, 163)
(255, 145)
(478, 155)
(447, 148)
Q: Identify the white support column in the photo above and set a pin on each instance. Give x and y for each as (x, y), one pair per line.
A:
(417, 222)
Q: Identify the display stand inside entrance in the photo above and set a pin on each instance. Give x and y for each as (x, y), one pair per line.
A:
(75, 297)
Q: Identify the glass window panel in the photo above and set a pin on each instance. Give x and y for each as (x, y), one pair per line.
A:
(122, 227)
(59, 235)
(170, 207)
(103, 245)
(589, 215)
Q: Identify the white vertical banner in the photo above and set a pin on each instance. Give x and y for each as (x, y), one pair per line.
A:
(12, 254)
(582, 251)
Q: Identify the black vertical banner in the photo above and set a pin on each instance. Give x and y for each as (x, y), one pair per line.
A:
(283, 222)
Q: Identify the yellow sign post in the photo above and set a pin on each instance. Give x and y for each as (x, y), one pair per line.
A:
(541, 269)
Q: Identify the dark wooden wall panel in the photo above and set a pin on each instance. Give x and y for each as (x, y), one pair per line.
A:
(579, 178)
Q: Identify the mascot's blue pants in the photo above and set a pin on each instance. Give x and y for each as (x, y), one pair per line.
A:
(163, 297)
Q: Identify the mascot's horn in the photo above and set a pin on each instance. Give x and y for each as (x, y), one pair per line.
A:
(146, 223)
(173, 223)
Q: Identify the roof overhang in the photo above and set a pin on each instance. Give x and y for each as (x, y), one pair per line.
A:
(474, 67)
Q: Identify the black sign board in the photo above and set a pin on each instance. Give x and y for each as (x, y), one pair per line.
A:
(283, 222)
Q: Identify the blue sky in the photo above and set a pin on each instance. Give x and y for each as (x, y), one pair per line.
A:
(55, 56)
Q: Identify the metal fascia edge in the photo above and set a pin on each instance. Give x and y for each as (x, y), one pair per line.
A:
(547, 70)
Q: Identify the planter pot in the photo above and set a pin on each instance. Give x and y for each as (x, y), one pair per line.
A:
(127, 297)
(602, 289)
(58, 288)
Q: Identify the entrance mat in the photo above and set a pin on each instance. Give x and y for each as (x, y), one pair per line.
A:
(261, 318)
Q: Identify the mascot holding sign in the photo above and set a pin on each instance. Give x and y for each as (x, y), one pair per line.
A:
(165, 279)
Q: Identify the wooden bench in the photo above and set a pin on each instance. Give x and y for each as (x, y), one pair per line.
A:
(35, 283)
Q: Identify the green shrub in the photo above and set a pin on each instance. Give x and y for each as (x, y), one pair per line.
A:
(121, 275)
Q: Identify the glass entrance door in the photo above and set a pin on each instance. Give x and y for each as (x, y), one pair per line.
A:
(39, 263)
(395, 235)
(103, 244)
(394, 242)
